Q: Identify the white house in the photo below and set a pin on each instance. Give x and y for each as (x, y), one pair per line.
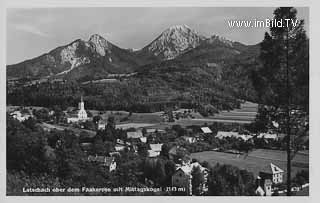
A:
(155, 150)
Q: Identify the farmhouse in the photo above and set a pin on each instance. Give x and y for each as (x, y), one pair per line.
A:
(108, 162)
(273, 173)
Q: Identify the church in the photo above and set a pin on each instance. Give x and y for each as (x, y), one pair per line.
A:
(81, 115)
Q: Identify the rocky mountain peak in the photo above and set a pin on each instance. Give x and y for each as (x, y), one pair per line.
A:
(217, 39)
(174, 41)
(100, 44)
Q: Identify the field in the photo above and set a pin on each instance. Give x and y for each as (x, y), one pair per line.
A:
(255, 160)
(245, 114)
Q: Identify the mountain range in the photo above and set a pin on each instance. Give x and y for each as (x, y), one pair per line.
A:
(97, 58)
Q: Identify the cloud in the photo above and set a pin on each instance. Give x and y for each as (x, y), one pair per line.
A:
(31, 29)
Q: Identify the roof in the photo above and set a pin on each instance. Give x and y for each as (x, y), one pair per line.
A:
(186, 169)
(206, 130)
(152, 130)
(136, 134)
(272, 169)
(223, 134)
(188, 137)
(156, 147)
(260, 191)
(267, 136)
(143, 139)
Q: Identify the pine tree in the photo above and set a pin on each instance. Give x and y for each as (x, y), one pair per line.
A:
(283, 79)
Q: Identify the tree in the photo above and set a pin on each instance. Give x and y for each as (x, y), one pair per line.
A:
(96, 119)
(197, 180)
(227, 180)
(282, 82)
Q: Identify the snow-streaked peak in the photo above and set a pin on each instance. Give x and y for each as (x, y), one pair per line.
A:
(173, 41)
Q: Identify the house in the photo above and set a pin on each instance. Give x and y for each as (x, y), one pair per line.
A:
(20, 116)
(183, 177)
(264, 187)
(119, 148)
(272, 172)
(155, 150)
(269, 136)
(108, 162)
(224, 134)
(206, 130)
(189, 139)
(101, 125)
(143, 139)
(81, 114)
(152, 130)
(134, 135)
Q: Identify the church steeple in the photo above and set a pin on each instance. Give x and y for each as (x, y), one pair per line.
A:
(82, 114)
(81, 104)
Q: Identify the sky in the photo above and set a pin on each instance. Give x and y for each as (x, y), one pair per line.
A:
(35, 31)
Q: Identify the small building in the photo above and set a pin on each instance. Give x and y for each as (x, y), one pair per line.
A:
(134, 135)
(119, 147)
(20, 116)
(224, 134)
(182, 178)
(206, 130)
(268, 136)
(189, 139)
(264, 187)
(273, 173)
(108, 162)
(101, 125)
(155, 150)
(143, 139)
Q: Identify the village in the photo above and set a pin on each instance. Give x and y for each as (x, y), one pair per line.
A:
(193, 149)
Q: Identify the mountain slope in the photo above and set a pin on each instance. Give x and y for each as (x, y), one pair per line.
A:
(96, 53)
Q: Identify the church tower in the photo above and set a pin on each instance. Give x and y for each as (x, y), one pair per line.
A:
(82, 114)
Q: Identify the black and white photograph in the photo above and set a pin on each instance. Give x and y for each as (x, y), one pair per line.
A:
(157, 101)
